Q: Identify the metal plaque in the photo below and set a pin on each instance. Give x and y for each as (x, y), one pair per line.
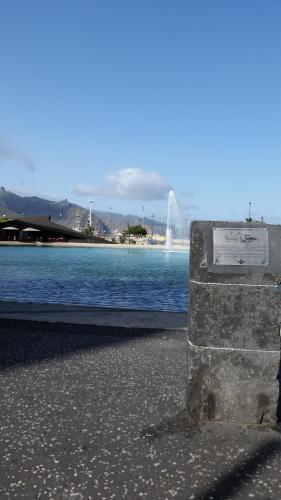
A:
(240, 246)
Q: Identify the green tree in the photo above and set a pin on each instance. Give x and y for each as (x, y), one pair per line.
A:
(123, 237)
(137, 230)
(89, 231)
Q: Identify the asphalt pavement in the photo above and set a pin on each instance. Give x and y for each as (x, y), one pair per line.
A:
(98, 412)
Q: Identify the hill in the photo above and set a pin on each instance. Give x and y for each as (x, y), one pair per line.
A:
(69, 214)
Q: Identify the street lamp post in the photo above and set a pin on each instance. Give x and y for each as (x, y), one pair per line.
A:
(77, 222)
(109, 219)
(250, 208)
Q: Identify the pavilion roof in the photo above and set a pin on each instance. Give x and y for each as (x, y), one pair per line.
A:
(42, 223)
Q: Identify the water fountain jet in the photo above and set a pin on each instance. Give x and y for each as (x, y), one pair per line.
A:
(173, 219)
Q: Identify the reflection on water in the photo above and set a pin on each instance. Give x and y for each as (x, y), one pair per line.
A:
(128, 278)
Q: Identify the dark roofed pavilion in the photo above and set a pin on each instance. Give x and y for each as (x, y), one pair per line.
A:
(41, 227)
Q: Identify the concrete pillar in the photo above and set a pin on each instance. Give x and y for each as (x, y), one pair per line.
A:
(234, 322)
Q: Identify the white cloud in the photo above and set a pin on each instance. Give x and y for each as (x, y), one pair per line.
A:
(12, 152)
(129, 183)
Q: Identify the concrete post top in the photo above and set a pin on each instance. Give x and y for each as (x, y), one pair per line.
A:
(235, 272)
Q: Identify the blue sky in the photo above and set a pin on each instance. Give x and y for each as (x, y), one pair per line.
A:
(121, 100)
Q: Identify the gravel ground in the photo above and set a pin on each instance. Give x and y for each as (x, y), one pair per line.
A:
(98, 413)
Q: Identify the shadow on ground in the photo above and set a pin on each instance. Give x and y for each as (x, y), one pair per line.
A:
(233, 482)
(26, 342)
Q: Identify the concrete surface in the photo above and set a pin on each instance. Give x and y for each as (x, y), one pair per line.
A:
(56, 313)
(99, 413)
(234, 332)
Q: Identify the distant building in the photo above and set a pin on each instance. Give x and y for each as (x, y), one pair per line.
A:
(37, 228)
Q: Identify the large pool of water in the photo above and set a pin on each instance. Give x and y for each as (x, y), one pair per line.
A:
(109, 277)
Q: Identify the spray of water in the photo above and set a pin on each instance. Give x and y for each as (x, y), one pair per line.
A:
(174, 220)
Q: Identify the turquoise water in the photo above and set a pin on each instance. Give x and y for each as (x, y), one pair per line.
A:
(126, 278)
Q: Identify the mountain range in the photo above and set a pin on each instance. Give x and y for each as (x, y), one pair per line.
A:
(69, 214)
